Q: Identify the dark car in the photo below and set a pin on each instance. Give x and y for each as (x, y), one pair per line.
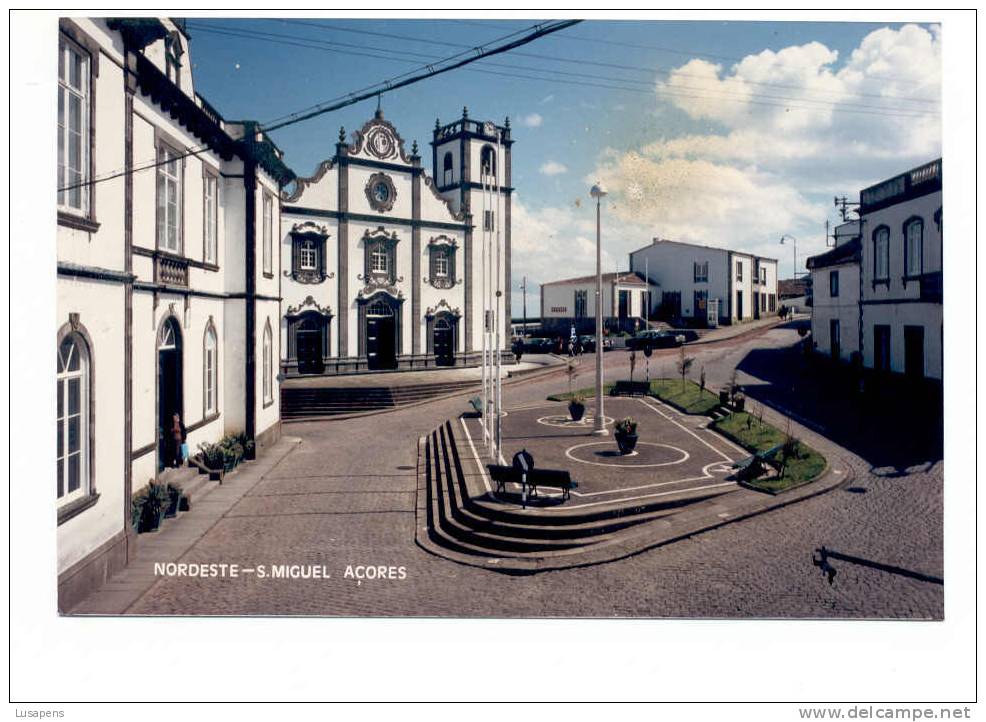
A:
(533, 345)
(588, 344)
(652, 339)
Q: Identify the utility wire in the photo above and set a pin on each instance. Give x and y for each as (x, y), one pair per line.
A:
(424, 72)
(581, 61)
(711, 93)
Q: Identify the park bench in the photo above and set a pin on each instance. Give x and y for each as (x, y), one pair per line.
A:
(754, 466)
(630, 388)
(553, 478)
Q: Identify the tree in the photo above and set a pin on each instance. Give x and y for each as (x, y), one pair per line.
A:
(571, 370)
(684, 365)
(633, 365)
(701, 380)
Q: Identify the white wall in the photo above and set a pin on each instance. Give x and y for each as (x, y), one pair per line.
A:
(671, 266)
(844, 308)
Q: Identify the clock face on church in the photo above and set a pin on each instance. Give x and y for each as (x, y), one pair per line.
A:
(380, 192)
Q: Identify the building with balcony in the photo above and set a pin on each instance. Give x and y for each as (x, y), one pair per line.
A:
(901, 294)
(168, 280)
(704, 285)
(385, 266)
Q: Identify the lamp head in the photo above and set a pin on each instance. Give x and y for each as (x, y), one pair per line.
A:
(597, 191)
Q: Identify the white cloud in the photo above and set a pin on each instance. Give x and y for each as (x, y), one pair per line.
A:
(552, 167)
(534, 120)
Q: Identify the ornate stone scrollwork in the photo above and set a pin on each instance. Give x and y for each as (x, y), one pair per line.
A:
(380, 192)
(440, 248)
(312, 236)
(442, 307)
(379, 138)
(309, 304)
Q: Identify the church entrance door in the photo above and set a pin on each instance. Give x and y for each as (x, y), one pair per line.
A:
(381, 337)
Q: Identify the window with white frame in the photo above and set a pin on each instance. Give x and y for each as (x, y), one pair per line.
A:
(701, 272)
(169, 195)
(73, 419)
(210, 373)
(881, 254)
(268, 352)
(268, 233)
(73, 127)
(441, 263)
(379, 259)
(914, 241)
(210, 206)
(308, 255)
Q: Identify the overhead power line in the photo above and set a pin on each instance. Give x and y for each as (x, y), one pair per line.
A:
(583, 61)
(690, 91)
(422, 73)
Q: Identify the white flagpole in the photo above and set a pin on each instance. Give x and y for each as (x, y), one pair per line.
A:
(486, 406)
(497, 218)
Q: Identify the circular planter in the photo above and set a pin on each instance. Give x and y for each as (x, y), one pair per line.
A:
(626, 442)
(577, 411)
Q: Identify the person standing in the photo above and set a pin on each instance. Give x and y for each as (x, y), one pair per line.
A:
(177, 435)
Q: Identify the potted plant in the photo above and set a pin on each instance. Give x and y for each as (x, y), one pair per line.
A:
(137, 510)
(174, 499)
(723, 397)
(576, 408)
(626, 435)
(739, 401)
(156, 505)
(213, 458)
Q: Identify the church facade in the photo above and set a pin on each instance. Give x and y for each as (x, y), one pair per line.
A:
(386, 267)
(168, 280)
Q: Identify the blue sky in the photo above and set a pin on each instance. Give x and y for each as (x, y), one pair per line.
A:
(727, 133)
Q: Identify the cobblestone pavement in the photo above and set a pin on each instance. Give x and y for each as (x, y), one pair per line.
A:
(346, 497)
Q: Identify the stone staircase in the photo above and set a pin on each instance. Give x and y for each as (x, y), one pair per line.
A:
(459, 520)
(308, 402)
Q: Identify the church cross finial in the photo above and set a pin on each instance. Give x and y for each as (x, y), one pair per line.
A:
(465, 112)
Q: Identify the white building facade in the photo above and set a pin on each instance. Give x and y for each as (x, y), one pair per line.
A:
(694, 281)
(168, 286)
(572, 302)
(901, 327)
(835, 295)
(385, 266)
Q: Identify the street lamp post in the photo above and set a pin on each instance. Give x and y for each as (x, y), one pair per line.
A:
(599, 427)
(795, 244)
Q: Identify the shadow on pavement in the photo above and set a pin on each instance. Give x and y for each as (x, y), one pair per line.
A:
(894, 427)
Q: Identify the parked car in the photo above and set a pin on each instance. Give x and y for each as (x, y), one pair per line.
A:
(589, 344)
(654, 339)
(534, 345)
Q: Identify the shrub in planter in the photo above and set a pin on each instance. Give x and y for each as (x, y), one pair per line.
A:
(174, 499)
(626, 435)
(739, 401)
(184, 504)
(137, 510)
(213, 457)
(723, 397)
(155, 506)
(576, 408)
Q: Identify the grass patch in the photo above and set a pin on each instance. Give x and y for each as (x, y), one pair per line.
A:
(584, 393)
(689, 397)
(754, 435)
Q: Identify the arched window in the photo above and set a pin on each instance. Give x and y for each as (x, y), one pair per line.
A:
(268, 352)
(487, 161)
(447, 169)
(913, 247)
(881, 254)
(73, 419)
(210, 371)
